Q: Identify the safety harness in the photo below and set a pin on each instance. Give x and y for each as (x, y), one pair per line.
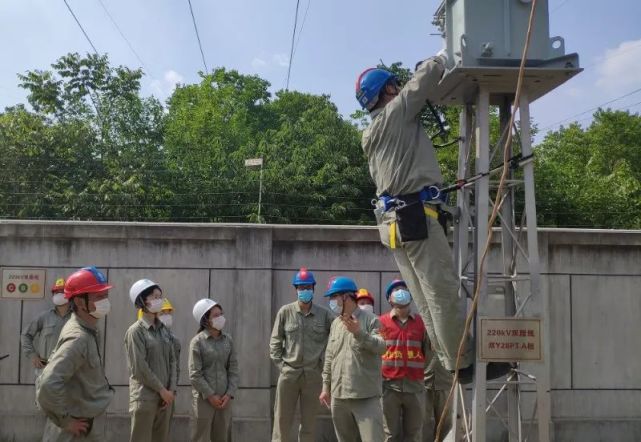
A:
(431, 195)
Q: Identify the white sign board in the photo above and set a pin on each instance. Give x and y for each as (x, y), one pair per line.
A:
(253, 162)
(510, 339)
(23, 283)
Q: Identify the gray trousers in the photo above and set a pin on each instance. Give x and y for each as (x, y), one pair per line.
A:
(434, 404)
(403, 411)
(427, 268)
(358, 418)
(293, 388)
(149, 422)
(209, 424)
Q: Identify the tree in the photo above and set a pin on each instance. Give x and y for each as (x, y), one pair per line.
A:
(317, 171)
(90, 146)
(314, 170)
(591, 177)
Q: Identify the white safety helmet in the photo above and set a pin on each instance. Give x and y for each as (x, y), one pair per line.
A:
(202, 307)
(138, 287)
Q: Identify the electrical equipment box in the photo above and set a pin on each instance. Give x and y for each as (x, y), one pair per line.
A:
(485, 39)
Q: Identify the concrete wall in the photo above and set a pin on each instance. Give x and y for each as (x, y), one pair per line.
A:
(592, 278)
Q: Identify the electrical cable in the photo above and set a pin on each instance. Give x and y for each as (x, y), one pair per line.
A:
(80, 26)
(200, 46)
(291, 52)
(113, 21)
(497, 204)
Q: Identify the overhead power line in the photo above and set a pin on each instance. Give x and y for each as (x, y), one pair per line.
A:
(559, 6)
(193, 19)
(300, 31)
(616, 54)
(80, 26)
(291, 51)
(592, 109)
(113, 21)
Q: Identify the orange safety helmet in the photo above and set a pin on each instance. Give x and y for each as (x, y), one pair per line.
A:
(86, 280)
(364, 294)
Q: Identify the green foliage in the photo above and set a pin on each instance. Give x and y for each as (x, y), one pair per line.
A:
(591, 177)
(314, 170)
(91, 147)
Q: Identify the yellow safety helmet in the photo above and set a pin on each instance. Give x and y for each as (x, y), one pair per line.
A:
(166, 308)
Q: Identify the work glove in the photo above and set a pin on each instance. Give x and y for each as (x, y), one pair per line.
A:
(442, 54)
(440, 57)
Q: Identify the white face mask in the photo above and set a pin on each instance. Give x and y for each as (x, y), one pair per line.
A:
(367, 308)
(166, 319)
(103, 307)
(59, 299)
(154, 306)
(218, 323)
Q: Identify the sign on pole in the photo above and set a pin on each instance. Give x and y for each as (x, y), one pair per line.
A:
(23, 283)
(510, 339)
(251, 162)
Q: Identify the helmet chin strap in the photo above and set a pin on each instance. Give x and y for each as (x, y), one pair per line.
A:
(86, 298)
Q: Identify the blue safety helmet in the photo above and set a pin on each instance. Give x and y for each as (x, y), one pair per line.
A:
(341, 284)
(392, 285)
(303, 277)
(369, 85)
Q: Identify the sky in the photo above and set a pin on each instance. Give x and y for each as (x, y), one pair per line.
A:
(337, 39)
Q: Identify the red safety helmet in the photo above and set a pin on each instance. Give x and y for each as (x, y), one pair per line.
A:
(86, 280)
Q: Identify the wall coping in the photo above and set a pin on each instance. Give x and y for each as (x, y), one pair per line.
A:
(280, 232)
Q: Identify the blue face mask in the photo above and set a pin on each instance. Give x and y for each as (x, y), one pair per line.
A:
(305, 296)
(401, 297)
(335, 306)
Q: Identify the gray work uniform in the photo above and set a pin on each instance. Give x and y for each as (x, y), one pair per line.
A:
(73, 383)
(438, 382)
(40, 338)
(404, 401)
(152, 368)
(213, 370)
(177, 347)
(402, 160)
(352, 376)
(296, 346)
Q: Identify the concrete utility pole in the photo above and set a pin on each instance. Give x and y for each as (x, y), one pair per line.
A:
(485, 42)
(254, 162)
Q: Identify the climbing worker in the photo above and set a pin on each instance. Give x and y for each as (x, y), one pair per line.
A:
(152, 366)
(40, 337)
(365, 300)
(297, 344)
(404, 167)
(213, 371)
(72, 390)
(403, 366)
(352, 382)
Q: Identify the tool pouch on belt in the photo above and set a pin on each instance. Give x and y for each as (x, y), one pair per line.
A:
(411, 220)
(443, 218)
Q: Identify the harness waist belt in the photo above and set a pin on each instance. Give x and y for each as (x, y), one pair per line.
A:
(425, 195)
